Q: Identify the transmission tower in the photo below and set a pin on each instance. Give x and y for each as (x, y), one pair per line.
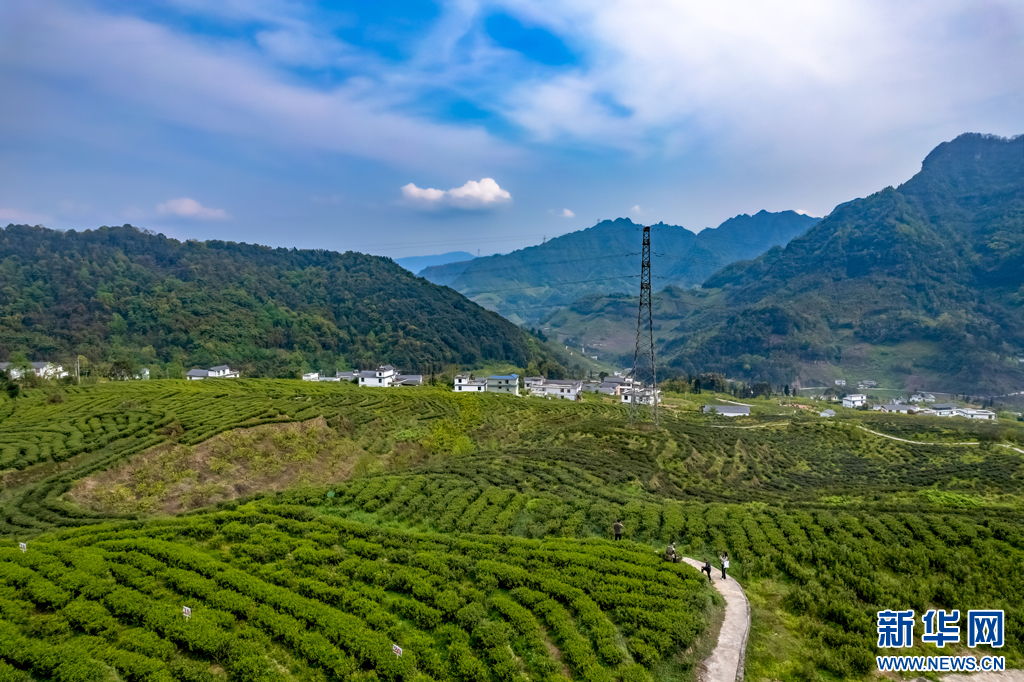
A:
(644, 392)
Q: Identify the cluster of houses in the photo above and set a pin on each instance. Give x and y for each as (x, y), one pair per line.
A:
(218, 372)
(920, 403)
(385, 376)
(43, 370)
(863, 384)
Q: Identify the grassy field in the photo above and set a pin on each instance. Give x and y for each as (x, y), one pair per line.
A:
(307, 504)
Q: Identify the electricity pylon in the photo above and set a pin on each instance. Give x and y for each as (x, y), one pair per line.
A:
(644, 391)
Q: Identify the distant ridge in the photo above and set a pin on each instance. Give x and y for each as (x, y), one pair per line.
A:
(416, 263)
(527, 285)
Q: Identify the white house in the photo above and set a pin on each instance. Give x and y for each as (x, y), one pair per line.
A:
(840, 382)
(529, 383)
(975, 414)
(311, 376)
(464, 383)
(382, 377)
(218, 372)
(828, 413)
(563, 389)
(867, 383)
(43, 370)
(901, 408)
(855, 400)
(641, 396)
(944, 409)
(922, 398)
(503, 383)
(727, 410)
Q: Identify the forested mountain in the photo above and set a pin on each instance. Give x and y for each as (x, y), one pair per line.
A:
(919, 285)
(118, 292)
(526, 285)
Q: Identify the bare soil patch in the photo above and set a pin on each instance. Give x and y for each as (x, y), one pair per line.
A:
(173, 478)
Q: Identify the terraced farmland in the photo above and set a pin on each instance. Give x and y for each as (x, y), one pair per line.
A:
(825, 524)
(278, 593)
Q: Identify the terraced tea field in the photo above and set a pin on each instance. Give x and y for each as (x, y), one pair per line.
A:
(278, 593)
(332, 497)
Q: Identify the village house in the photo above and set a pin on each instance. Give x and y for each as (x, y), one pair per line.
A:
(503, 383)
(386, 376)
(840, 382)
(563, 389)
(727, 410)
(465, 382)
(345, 376)
(922, 398)
(867, 383)
(855, 400)
(311, 376)
(640, 396)
(218, 372)
(970, 413)
(944, 409)
(828, 413)
(43, 370)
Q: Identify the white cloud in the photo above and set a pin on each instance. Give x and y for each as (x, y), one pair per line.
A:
(14, 215)
(190, 208)
(636, 210)
(566, 213)
(473, 195)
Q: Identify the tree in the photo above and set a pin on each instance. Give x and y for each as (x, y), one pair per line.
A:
(122, 370)
(786, 390)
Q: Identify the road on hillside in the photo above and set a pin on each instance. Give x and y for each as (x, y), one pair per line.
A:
(725, 664)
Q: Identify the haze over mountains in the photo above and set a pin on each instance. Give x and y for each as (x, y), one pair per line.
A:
(919, 285)
(527, 285)
(416, 263)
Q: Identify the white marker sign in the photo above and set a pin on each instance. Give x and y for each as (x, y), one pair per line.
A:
(187, 612)
(397, 649)
(22, 546)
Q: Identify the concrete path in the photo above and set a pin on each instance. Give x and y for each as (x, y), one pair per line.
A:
(917, 442)
(725, 664)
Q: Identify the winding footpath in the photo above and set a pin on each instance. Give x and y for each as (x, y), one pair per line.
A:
(725, 664)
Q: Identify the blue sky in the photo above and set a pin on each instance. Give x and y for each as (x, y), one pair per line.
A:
(405, 128)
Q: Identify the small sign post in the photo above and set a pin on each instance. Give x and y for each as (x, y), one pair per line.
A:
(23, 546)
(397, 649)
(187, 612)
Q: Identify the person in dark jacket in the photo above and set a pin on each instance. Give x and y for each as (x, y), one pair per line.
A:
(618, 529)
(706, 568)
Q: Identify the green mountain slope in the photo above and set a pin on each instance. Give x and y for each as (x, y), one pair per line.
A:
(919, 286)
(526, 285)
(120, 292)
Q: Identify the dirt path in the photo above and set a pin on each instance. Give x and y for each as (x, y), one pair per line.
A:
(917, 442)
(725, 664)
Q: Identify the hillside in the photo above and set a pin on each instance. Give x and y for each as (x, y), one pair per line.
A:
(122, 293)
(918, 286)
(473, 532)
(526, 285)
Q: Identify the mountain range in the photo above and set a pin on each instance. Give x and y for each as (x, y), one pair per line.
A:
(918, 285)
(120, 293)
(527, 285)
(418, 263)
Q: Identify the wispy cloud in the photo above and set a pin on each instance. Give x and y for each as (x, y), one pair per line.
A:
(566, 213)
(14, 215)
(190, 208)
(471, 196)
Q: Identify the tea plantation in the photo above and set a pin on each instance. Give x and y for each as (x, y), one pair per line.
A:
(473, 532)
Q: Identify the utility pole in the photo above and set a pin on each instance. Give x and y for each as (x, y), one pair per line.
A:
(644, 393)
